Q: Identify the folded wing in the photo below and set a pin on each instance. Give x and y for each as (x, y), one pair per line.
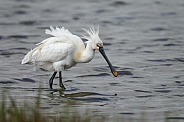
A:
(52, 50)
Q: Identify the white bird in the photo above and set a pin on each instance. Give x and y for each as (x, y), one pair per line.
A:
(64, 50)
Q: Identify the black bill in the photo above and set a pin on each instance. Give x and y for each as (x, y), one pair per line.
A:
(114, 72)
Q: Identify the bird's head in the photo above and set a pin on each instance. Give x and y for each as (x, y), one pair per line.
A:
(97, 44)
(93, 38)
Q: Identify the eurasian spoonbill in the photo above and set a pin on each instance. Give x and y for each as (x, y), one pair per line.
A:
(64, 50)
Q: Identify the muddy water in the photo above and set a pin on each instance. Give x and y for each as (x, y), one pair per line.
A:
(143, 39)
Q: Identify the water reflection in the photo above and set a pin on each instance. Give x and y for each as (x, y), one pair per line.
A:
(79, 96)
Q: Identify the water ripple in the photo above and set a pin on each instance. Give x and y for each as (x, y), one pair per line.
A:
(96, 75)
(7, 82)
(26, 80)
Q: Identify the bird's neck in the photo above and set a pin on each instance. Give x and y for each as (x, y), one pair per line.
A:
(87, 54)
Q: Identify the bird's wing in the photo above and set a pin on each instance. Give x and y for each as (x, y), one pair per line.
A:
(51, 52)
(54, 48)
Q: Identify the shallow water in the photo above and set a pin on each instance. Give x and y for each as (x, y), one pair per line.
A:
(143, 39)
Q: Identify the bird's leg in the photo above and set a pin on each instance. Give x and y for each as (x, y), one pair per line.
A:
(51, 79)
(60, 81)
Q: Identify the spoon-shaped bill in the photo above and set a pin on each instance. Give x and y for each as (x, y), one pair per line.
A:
(114, 72)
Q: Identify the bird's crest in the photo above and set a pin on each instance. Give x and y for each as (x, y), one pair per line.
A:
(58, 31)
(91, 31)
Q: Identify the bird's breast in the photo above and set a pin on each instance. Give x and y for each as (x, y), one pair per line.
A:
(78, 55)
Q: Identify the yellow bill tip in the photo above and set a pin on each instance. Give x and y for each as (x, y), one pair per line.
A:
(115, 73)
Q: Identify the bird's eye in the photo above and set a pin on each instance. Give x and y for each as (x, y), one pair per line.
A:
(99, 45)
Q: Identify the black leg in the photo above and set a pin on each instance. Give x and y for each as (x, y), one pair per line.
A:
(51, 79)
(60, 81)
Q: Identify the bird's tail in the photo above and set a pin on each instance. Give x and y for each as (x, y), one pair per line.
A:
(27, 58)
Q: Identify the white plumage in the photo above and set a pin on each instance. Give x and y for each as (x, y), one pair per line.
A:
(63, 50)
(55, 53)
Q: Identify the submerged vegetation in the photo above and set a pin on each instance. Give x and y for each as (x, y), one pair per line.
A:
(13, 111)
